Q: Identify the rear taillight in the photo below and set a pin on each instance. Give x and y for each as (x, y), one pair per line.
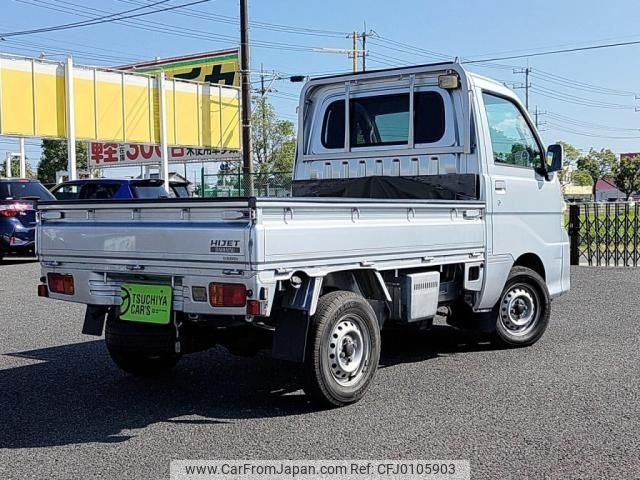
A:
(227, 294)
(43, 290)
(61, 283)
(14, 210)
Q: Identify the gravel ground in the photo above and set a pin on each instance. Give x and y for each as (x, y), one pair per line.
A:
(568, 407)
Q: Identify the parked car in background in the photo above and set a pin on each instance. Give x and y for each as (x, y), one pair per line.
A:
(116, 189)
(18, 198)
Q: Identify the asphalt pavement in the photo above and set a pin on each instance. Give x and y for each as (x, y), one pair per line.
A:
(566, 408)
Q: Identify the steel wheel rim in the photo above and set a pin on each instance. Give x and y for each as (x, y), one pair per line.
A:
(519, 310)
(348, 350)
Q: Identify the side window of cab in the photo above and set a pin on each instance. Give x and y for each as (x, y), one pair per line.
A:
(512, 138)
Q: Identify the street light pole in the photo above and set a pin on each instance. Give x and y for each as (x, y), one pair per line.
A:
(245, 67)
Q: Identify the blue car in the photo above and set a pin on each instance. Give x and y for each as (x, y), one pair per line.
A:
(116, 189)
(18, 200)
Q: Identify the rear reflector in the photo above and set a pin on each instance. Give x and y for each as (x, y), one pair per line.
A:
(227, 294)
(199, 294)
(43, 291)
(253, 307)
(61, 283)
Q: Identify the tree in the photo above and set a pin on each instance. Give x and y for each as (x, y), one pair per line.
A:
(598, 164)
(273, 140)
(582, 178)
(571, 153)
(54, 159)
(627, 175)
(15, 168)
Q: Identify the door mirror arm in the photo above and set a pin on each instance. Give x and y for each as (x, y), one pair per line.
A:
(543, 172)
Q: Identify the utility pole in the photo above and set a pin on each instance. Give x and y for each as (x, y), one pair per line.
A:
(23, 159)
(364, 51)
(536, 114)
(364, 35)
(263, 92)
(526, 86)
(7, 168)
(245, 66)
(354, 51)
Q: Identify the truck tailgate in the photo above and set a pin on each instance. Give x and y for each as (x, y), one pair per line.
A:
(146, 231)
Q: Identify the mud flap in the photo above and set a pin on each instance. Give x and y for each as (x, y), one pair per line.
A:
(290, 337)
(94, 320)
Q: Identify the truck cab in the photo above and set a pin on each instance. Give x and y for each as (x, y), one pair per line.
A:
(362, 133)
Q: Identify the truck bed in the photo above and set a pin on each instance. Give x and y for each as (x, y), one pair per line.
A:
(256, 234)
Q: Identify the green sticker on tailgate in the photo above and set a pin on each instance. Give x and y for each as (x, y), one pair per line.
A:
(145, 303)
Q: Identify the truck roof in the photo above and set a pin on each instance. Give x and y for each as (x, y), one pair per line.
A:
(404, 69)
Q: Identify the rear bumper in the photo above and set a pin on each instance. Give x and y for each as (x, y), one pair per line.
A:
(17, 240)
(101, 288)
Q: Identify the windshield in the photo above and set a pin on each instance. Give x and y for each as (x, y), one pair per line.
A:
(149, 190)
(66, 192)
(180, 191)
(19, 190)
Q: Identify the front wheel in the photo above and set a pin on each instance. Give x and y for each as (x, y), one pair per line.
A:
(343, 349)
(523, 312)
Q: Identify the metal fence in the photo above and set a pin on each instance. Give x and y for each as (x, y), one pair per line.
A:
(604, 234)
(272, 184)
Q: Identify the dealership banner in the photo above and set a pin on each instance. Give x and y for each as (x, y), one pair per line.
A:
(131, 154)
(220, 67)
(118, 106)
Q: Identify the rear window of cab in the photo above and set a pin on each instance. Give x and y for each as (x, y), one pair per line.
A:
(384, 120)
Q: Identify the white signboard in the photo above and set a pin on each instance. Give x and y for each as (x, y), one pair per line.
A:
(103, 155)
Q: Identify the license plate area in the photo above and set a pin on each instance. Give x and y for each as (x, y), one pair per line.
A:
(146, 303)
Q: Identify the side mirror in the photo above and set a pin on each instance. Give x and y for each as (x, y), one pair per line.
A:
(555, 157)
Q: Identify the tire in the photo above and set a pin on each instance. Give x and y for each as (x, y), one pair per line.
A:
(343, 350)
(140, 349)
(522, 313)
(143, 364)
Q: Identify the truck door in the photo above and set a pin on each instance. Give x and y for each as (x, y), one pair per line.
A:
(525, 209)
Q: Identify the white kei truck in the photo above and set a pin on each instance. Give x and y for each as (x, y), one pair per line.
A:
(415, 190)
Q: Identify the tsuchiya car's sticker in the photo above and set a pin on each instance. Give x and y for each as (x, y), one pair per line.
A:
(145, 303)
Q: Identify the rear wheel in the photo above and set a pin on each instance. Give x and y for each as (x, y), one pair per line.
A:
(343, 349)
(141, 349)
(142, 364)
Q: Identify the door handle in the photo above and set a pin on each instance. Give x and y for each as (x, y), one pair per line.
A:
(501, 186)
(471, 214)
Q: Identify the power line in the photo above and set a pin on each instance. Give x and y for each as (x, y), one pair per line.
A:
(580, 85)
(406, 46)
(42, 49)
(254, 24)
(593, 135)
(96, 20)
(554, 52)
(589, 125)
(181, 31)
(569, 98)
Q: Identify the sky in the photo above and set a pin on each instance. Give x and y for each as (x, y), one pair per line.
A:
(585, 98)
